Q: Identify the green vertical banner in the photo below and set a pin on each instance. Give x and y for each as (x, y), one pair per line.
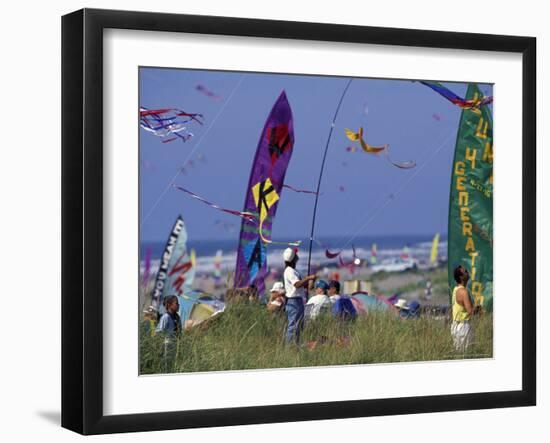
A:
(470, 237)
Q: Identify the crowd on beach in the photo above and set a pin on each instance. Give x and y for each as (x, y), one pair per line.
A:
(291, 298)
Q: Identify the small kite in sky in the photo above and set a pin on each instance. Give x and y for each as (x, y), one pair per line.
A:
(341, 188)
(473, 104)
(169, 123)
(351, 149)
(205, 91)
(436, 117)
(358, 136)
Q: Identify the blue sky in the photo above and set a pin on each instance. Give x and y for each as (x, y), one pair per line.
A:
(397, 112)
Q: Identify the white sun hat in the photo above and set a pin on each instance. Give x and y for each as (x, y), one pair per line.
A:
(277, 287)
(401, 304)
(289, 254)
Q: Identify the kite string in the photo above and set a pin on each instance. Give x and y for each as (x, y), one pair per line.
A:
(321, 173)
(173, 180)
(394, 194)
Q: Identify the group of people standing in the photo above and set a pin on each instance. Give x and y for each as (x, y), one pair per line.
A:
(292, 297)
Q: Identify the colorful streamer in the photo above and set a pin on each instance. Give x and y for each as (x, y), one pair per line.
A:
(473, 103)
(168, 123)
(249, 216)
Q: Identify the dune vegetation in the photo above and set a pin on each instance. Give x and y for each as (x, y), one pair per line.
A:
(246, 336)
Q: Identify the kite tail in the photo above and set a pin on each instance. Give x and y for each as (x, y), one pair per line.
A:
(271, 242)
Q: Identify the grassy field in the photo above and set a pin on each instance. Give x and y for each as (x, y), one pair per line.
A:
(246, 336)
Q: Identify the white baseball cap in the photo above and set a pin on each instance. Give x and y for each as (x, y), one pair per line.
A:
(289, 254)
(277, 287)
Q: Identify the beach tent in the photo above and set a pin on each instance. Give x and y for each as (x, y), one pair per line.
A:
(197, 306)
(364, 303)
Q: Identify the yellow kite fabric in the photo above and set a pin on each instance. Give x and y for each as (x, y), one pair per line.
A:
(358, 136)
(265, 196)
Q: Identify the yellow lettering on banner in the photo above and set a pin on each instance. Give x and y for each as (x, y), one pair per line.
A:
(460, 183)
(470, 246)
(463, 198)
(477, 289)
(473, 273)
(471, 156)
(473, 256)
(488, 153)
(464, 213)
(460, 168)
(467, 228)
(481, 130)
(265, 196)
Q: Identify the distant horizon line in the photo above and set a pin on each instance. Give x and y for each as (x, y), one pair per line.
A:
(210, 239)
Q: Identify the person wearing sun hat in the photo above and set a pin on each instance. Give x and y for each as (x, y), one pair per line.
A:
(277, 300)
(295, 291)
(401, 307)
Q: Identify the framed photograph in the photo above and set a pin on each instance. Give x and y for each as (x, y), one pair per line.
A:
(269, 221)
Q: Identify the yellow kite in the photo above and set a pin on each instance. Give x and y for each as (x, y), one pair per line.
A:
(358, 136)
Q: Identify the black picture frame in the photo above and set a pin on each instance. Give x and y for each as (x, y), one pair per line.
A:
(82, 218)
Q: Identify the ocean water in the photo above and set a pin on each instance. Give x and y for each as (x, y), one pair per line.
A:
(419, 247)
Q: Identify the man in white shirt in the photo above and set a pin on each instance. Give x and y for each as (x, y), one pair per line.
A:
(295, 289)
(319, 302)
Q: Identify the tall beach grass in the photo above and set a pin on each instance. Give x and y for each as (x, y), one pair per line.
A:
(246, 336)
